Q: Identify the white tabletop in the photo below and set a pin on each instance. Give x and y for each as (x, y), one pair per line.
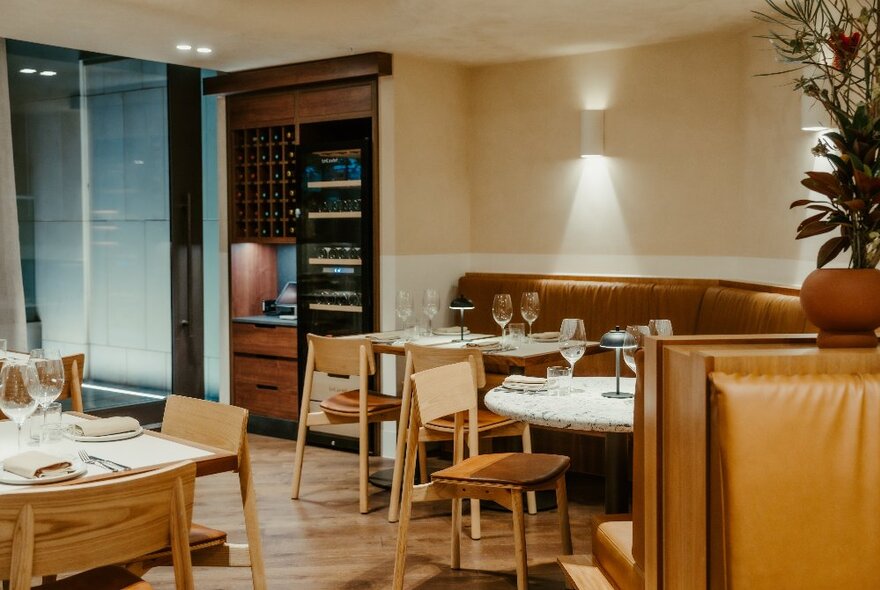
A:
(524, 349)
(585, 410)
(142, 451)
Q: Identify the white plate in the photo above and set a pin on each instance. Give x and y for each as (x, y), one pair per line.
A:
(106, 438)
(17, 480)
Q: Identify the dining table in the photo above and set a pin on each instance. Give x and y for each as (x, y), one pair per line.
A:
(144, 452)
(584, 409)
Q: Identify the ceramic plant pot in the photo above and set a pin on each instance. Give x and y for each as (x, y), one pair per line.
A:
(844, 304)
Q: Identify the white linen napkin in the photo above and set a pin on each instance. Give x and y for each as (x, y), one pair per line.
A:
(106, 426)
(545, 336)
(34, 464)
(524, 383)
(486, 344)
(450, 331)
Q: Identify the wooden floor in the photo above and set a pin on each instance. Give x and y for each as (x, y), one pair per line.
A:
(322, 542)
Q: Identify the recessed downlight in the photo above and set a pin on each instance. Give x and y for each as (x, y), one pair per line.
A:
(204, 49)
(48, 73)
(28, 71)
(184, 46)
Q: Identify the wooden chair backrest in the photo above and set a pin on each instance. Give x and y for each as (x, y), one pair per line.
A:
(208, 423)
(445, 390)
(74, 366)
(798, 463)
(79, 527)
(341, 356)
(428, 357)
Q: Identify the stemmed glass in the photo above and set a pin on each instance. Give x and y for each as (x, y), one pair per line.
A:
(15, 399)
(572, 342)
(430, 306)
(529, 307)
(502, 311)
(404, 307)
(633, 340)
(47, 377)
(660, 327)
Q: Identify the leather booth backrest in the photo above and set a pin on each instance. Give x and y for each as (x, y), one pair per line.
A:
(726, 310)
(695, 306)
(799, 469)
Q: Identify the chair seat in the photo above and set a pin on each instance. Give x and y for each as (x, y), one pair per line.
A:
(612, 551)
(511, 469)
(347, 403)
(486, 420)
(200, 537)
(102, 578)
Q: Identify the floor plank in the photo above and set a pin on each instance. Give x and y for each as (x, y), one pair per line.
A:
(321, 541)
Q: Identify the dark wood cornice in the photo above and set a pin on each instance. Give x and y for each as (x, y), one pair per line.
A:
(311, 72)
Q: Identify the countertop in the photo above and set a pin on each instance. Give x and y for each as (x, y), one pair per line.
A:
(265, 320)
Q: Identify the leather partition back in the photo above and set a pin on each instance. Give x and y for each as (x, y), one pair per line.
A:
(727, 310)
(799, 460)
(638, 467)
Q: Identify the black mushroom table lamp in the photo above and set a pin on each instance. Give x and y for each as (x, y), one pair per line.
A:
(617, 340)
(462, 304)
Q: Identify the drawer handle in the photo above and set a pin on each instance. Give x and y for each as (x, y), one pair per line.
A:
(269, 387)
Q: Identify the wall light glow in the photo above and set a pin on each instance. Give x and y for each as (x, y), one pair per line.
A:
(27, 71)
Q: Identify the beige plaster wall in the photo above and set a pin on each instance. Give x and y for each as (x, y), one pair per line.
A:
(702, 160)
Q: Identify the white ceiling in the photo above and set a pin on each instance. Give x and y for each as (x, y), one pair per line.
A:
(246, 34)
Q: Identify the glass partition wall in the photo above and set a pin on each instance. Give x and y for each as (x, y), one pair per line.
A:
(91, 151)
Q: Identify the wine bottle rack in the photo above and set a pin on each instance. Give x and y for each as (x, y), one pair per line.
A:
(264, 184)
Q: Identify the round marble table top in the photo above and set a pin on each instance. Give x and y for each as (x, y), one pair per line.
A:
(585, 410)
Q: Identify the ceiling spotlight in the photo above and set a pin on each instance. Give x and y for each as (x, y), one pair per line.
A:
(48, 73)
(204, 50)
(28, 71)
(184, 47)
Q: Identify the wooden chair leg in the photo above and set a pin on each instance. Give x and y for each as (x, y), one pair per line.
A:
(409, 473)
(251, 520)
(300, 451)
(564, 526)
(364, 465)
(400, 451)
(476, 522)
(519, 538)
(456, 534)
(423, 463)
(531, 501)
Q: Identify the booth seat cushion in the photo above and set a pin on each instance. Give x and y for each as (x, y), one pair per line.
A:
(612, 552)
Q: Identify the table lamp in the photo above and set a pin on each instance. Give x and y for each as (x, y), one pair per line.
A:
(461, 303)
(617, 340)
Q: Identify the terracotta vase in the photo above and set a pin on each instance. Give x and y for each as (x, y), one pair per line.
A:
(844, 304)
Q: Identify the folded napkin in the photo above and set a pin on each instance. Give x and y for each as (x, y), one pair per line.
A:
(524, 383)
(545, 336)
(106, 426)
(450, 331)
(34, 464)
(486, 344)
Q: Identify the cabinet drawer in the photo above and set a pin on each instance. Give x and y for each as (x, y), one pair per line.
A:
(277, 341)
(267, 387)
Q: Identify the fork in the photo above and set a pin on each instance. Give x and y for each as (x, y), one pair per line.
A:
(86, 458)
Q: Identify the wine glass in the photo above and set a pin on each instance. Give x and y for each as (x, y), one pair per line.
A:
(430, 306)
(15, 399)
(47, 372)
(660, 327)
(2, 348)
(529, 307)
(572, 342)
(404, 307)
(633, 340)
(502, 310)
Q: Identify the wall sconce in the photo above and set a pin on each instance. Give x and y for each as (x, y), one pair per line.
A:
(813, 116)
(592, 133)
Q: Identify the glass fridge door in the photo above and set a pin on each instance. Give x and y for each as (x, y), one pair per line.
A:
(334, 243)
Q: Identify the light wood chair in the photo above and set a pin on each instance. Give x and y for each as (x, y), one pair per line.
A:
(74, 364)
(346, 357)
(225, 427)
(502, 477)
(490, 424)
(89, 526)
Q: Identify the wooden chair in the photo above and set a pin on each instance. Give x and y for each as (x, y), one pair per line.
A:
(225, 427)
(490, 425)
(89, 526)
(502, 477)
(74, 365)
(348, 357)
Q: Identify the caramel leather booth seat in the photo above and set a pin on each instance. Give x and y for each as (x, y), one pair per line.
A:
(695, 306)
